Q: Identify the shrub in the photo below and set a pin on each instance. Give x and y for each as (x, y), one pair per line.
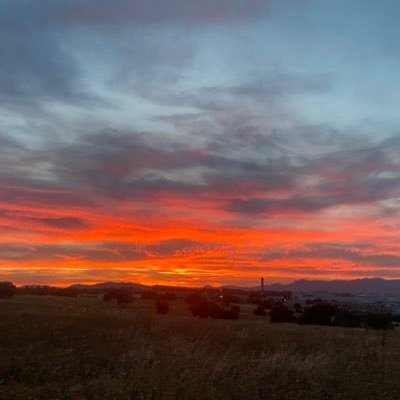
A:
(162, 307)
(319, 314)
(346, 319)
(260, 310)
(193, 298)
(7, 289)
(378, 321)
(227, 313)
(268, 304)
(254, 298)
(204, 308)
(280, 313)
(108, 296)
(235, 308)
(124, 296)
(227, 299)
(297, 307)
(396, 318)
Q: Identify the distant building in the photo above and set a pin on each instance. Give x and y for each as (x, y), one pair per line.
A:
(354, 303)
(366, 308)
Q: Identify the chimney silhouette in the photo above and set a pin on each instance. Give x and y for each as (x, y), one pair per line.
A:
(262, 286)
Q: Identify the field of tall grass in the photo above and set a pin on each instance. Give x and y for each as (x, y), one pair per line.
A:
(66, 348)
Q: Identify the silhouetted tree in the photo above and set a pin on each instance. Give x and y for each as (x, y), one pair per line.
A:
(7, 289)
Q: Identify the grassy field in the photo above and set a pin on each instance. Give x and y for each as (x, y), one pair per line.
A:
(66, 348)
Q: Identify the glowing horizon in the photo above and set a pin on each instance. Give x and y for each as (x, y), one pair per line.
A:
(198, 143)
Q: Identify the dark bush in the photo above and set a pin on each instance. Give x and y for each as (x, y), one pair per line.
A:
(297, 307)
(346, 319)
(227, 299)
(108, 296)
(193, 298)
(7, 289)
(204, 308)
(260, 310)
(268, 304)
(319, 314)
(378, 321)
(67, 292)
(396, 318)
(162, 307)
(124, 296)
(254, 298)
(227, 313)
(235, 308)
(280, 313)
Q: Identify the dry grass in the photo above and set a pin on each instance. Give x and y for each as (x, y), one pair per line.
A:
(62, 348)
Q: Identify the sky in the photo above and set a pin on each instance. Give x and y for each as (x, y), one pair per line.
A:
(199, 142)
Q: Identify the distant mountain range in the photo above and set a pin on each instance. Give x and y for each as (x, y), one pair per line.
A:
(117, 285)
(355, 286)
(109, 285)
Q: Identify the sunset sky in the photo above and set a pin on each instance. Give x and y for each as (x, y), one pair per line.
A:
(199, 142)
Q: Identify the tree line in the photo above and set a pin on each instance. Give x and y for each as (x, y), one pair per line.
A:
(225, 306)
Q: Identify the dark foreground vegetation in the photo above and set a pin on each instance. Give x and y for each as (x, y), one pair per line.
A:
(81, 348)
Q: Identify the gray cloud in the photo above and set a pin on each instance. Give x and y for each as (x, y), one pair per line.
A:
(107, 251)
(159, 11)
(58, 252)
(62, 222)
(35, 67)
(349, 176)
(119, 165)
(362, 255)
(38, 41)
(260, 205)
(21, 219)
(171, 247)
